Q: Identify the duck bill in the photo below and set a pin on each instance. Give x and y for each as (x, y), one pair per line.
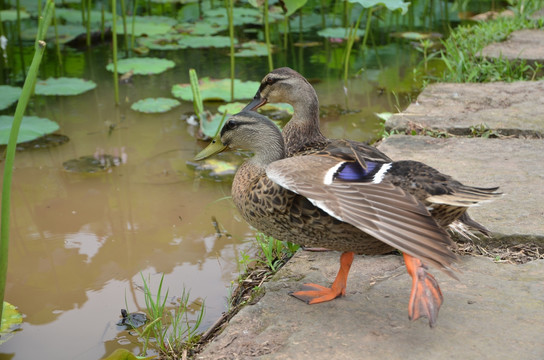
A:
(256, 103)
(215, 147)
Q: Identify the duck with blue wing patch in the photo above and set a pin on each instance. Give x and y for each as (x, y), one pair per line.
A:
(363, 187)
(288, 198)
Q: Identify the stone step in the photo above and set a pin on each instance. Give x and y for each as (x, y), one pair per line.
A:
(505, 108)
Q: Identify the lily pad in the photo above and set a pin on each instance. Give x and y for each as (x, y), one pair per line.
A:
(10, 95)
(11, 321)
(155, 105)
(210, 124)
(67, 33)
(236, 107)
(215, 167)
(412, 35)
(162, 42)
(200, 28)
(338, 32)
(91, 164)
(205, 41)
(11, 15)
(391, 5)
(142, 66)
(144, 27)
(241, 16)
(73, 16)
(211, 89)
(63, 86)
(252, 48)
(32, 127)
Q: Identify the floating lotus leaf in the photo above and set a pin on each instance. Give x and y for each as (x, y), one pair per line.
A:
(91, 164)
(11, 321)
(144, 27)
(73, 16)
(211, 89)
(142, 66)
(67, 33)
(124, 354)
(338, 32)
(44, 142)
(241, 16)
(215, 167)
(11, 15)
(231, 108)
(200, 28)
(391, 5)
(32, 127)
(412, 35)
(162, 42)
(205, 41)
(155, 105)
(63, 86)
(210, 124)
(10, 95)
(236, 107)
(252, 48)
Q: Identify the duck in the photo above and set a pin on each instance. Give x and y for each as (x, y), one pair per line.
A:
(327, 198)
(446, 199)
(302, 133)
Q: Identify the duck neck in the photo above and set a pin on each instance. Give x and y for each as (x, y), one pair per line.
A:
(303, 128)
(268, 151)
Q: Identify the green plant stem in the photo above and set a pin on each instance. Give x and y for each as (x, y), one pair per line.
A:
(88, 23)
(124, 16)
(267, 36)
(12, 143)
(132, 39)
(351, 39)
(57, 43)
(114, 44)
(229, 5)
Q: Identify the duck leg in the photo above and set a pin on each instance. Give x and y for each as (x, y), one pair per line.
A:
(426, 297)
(314, 293)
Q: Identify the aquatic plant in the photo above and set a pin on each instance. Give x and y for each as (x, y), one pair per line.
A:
(30, 81)
(170, 328)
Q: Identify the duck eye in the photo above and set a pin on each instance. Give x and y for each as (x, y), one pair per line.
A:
(269, 80)
(231, 125)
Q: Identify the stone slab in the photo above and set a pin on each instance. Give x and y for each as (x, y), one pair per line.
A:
(525, 44)
(516, 165)
(507, 108)
(494, 312)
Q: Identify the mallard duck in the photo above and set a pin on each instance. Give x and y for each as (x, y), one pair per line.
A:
(326, 198)
(447, 199)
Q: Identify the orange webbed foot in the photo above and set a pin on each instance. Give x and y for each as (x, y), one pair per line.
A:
(314, 293)
(426, 297)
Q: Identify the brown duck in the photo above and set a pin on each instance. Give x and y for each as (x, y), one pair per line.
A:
(446, 199)
(325, 198)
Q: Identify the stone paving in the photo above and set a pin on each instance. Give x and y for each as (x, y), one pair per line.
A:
(495, 311)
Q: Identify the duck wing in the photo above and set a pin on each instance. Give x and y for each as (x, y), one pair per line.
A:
(360, 197)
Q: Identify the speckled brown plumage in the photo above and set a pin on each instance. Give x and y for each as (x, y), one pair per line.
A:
(287, 216)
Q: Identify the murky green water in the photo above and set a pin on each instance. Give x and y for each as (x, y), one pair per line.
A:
(80, 242)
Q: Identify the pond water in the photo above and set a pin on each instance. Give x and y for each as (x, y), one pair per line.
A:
(80, 244)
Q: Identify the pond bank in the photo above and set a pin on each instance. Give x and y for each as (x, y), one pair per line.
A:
(494, 311)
